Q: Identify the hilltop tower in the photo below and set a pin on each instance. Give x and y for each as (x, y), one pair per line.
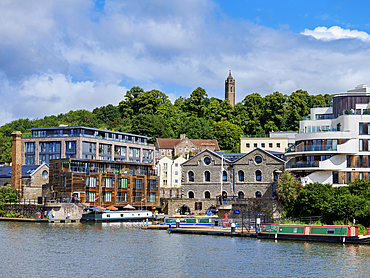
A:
(230, 89)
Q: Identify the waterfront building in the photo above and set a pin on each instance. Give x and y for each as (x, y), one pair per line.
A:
(333, 142)
(244, 175)
(105, 183)
(169, 147)
(230, 89)
(32, 178)
(169, 172)
(47, 143)
(275, 141)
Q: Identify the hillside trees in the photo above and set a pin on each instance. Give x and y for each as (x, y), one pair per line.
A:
(151, 113)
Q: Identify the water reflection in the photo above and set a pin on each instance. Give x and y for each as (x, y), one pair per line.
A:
(119, 249)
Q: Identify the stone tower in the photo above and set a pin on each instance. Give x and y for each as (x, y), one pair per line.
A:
(16, 174)
(230, 89)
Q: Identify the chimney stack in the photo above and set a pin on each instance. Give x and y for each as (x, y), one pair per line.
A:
(16, 161)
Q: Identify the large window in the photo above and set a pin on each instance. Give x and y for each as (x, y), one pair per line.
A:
(152, 184)
(71, 147)
(224, 176)
(241, 175)
(151, 197)
(30, 147)
(107, 197)
(105, 149)
(349, 177)
(91, 182)
(137, 198)
(108, 182)
(122, 197)
(335, 177)
(191, 176)
(207, 176)
(258, 175)
(361, 128)
(138, 183)
(90, 196)
(207, 195)
(123, 183)
(89, 149)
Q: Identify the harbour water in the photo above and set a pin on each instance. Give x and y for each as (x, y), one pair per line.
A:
(124, 250)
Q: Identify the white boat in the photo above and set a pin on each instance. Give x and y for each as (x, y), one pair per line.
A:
(101, 215)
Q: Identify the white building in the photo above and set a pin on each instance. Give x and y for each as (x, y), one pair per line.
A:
(169, 172)
(333, 143)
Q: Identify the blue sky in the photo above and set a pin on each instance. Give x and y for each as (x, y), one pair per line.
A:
(62, 55)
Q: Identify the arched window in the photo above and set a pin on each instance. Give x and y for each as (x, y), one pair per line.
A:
(224, 176)
(240, 195)
(258, 194)
(191, 176)
(241, 175)
(207, 176)
(276, 175)
(207, 195)
(258, 159)
(258, 175)
(191, 194)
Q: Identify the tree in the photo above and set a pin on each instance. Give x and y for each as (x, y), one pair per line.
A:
(288, 189)
(196, 104)
(227, 134)
(272, 118)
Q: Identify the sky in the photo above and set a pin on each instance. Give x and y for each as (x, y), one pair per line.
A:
(57, 56)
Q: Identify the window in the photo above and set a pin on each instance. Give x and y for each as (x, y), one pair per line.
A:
(207, 195)
(71, 146)
(191, 194)
(123, 183)
(258, 159)
(90, 196)
(176, 181)
(262, 145)
(241, 175)
(164, 182)
(165, 166)
(207, 160)
(240, 195)
(176, 173)
(91, 182)
(137, 197)
(30, 147)
(276, 175)
(152, 184)
(348, 161)
(45, 174)
(335, 177)
(361, 128)
(270, 145)
(255, 145)
(138, 183)
(107, 182)
(361, 176)
(207, 176)
(278, 145)
(258, 175)
(107, 197)
(360, 161)
(122, 197)
(151, 196)
(88, 147)
(224, 176)
(164, 174)
(348, 177)
(361, 145)
(176, 165)
(247, 145)
(258, 194)
(191, 176)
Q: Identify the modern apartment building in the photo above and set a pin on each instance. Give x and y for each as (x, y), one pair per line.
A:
(105, 183)
(169, 172)
(47, 143)
(333, 142)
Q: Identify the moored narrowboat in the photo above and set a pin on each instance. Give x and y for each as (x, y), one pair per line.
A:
(331, 233)
(101, 215)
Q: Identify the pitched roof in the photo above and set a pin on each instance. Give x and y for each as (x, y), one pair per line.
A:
(169, 143)
(27, 171)
(200, 142)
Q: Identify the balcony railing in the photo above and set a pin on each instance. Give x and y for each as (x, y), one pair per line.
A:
(88, 136)
(314, 148)
(302, 164)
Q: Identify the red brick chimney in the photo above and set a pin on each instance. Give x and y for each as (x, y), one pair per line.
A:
(16, 161)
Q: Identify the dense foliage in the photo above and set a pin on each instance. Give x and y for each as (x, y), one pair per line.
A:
(333, 204)
(152, 114)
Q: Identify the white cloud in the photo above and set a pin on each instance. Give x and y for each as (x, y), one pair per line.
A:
(55, 58)
(336, 33)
